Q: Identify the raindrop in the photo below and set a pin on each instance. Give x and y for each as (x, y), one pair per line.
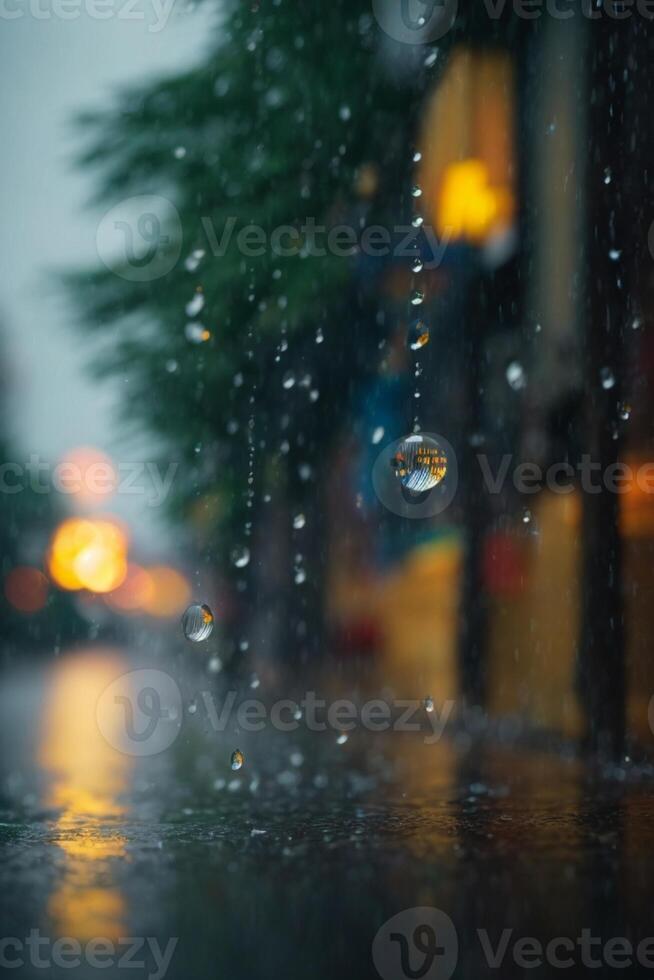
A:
(607, 175)
(288, 381)
(430, 60)
(241, 557)
(417, 156)
(179, 152)
(378, 435)
(194, 259)
(416, 191)
(319, 335)
(417, 221)
(215, 665)
(342, 738)
(192, 708)
(237, 760)
(418, 334)
(300, 576)
(196, 333)
(171, 366)
(419, 463)
(607, 378)
(194, 306)
(345, 113)
(429, 704)
(624, 409)
(296, 759)
(197, 622)
(254, 682)
(515, 375)
(417, 265)
(299, 521)
(614, 254)
(526, 516)
(417, 297)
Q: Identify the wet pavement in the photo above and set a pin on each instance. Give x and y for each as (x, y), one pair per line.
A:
(291, 866)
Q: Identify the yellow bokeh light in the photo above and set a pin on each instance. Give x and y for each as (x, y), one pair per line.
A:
(468, 206)
(170, 593)
(88, 554)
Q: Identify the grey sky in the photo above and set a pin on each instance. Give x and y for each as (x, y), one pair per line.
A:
(49, 69)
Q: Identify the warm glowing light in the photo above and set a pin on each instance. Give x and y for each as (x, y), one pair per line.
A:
(88, 475)
(134, 593)
(468, 207)
(87, 779)
(170, 595)
(88, 554)
(26, 589)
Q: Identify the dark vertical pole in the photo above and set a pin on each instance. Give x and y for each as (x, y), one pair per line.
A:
(602, 646)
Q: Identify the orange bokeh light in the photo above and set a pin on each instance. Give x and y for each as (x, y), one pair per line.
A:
(26, 589)
(170, 594)
(88, 554)
(88, 475)
(134, 593)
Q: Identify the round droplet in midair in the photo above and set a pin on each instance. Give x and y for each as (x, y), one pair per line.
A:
(526, 516)
(416, 191)
(417, 156)
(342, 738)
(241, 557)
(607, 378)
(299, 521)
(515, 375)
(417, 221)
(429, 703)
(196, 333)
(417, 265)
(197, 622)
(288, 381)
(419, 463)
(417, 297)
(194, 305)
(624, 410)
(237, 760)
(418, 334)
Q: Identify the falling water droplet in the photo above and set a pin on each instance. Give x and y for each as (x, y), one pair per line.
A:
(430, 60)
(417, 156)
(194, 305)
(419, 463)
(417, 221)
(526, 516)
(215, 665)
(417, 297)
(196, 333)
(319, 335)
(288, 381)
(237, 760)
(345, 113)
(624, 409)
(607, 175)
(342, 738)
(241, 557)
(179, 152)
(416, 191)
(378, 435)
(193, 260)
(197, 622)
(607, 378)
(300, 576)
(299, 521)
(515, 375)
(614, 254)
(429, 704)
(417, 265)
(418, 334)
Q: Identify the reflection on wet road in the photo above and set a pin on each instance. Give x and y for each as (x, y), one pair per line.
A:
(291, 866)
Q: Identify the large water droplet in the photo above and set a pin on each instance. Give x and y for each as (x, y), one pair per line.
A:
(241, 557)
(197, 622)
(418, 334)
(515, 375)
(419, 463)
(237, 760)
(196, 333)
(194, 305)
